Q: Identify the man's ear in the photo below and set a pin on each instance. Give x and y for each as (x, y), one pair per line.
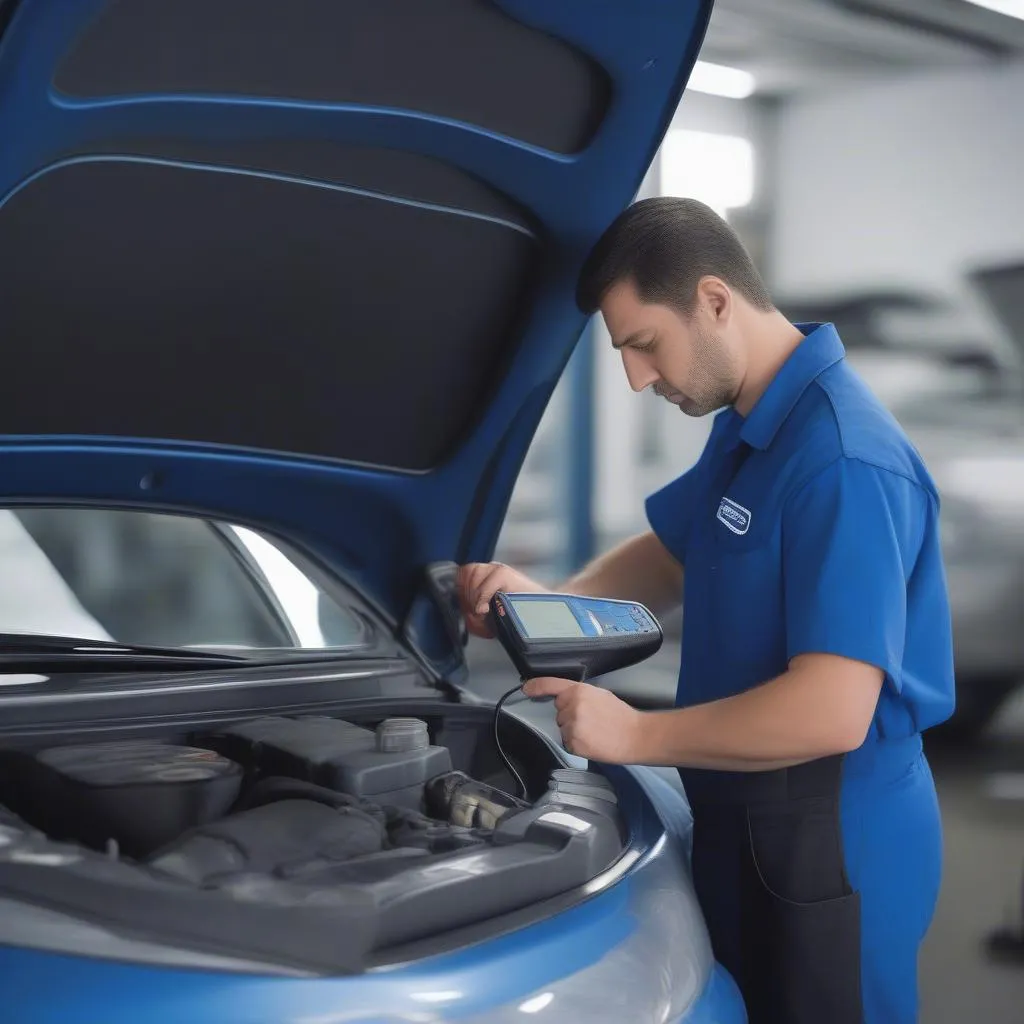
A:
(714, 299)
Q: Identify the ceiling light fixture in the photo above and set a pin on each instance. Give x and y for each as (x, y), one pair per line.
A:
(716, 169)
(720, 80)
(1011, 8)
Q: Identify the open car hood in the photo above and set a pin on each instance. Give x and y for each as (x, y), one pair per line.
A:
(310, 266)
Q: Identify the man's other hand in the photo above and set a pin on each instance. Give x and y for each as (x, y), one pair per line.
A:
(594, 723)
(480, 581)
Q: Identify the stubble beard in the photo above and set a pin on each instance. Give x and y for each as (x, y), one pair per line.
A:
(713, 378)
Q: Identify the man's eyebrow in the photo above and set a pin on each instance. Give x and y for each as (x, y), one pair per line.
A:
(628, 341)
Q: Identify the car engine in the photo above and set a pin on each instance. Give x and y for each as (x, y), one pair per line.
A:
(302, 812)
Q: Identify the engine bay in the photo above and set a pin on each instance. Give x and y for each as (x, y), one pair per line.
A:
(340, 838)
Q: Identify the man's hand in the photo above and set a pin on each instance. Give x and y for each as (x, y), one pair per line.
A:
(595, 724)
(480, 581)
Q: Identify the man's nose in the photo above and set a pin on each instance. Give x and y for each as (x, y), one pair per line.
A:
(639, 371)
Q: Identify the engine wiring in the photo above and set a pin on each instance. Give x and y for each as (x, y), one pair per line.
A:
(497, 741)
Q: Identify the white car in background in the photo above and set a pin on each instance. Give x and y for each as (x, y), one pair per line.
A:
(962, 404)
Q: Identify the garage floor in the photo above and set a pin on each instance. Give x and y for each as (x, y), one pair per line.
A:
(984, 849)
(983, 879)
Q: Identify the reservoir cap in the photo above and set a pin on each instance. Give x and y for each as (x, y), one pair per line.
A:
(401, 735)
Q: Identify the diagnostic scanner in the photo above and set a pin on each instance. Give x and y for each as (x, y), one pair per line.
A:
(572, 637)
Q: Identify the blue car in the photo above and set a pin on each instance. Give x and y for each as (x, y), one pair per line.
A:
(284, 291)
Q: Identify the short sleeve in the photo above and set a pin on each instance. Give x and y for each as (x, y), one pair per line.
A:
(849, 539)
(671, 510)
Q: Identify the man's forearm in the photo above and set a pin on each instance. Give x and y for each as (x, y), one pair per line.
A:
(703, 737)
(638, 569)
(796, 717)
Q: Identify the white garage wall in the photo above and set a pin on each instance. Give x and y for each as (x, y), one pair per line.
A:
(703, 113)
(903, 182)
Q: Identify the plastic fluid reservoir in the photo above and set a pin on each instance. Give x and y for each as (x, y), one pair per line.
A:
(397, 768)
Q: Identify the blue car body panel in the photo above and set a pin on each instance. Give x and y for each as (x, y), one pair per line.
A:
(60, 990)
(376, 527)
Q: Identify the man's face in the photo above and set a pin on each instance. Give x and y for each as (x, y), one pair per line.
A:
(683, 359)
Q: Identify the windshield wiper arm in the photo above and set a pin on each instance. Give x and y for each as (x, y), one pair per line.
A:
(45, 647)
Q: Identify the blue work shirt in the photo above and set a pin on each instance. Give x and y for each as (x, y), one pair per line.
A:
(812, 525)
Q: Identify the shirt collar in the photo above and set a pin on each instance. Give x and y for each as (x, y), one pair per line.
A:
(820, 349)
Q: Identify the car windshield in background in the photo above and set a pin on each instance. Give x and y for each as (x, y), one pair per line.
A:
(139, 578)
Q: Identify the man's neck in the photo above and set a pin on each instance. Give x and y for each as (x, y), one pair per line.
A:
(774, 340)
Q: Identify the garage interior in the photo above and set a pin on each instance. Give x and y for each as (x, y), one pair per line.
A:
(869, 154)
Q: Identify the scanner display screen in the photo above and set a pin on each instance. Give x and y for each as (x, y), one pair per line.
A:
(547, 620)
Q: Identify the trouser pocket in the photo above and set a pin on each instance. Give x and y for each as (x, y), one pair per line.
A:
(812, 973)
(801, 919)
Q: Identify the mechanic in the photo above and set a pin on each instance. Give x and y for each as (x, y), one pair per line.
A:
(816, 631)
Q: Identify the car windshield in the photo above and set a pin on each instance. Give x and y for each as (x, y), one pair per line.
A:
(165, 581)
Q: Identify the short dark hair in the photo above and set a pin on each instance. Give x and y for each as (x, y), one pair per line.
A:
(665, 246)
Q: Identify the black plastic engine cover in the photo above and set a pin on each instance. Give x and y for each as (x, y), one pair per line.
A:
(531, 856)
(335, 753)
(278, 839)
(141, 794)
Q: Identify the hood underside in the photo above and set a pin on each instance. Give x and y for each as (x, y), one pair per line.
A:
(310, 266)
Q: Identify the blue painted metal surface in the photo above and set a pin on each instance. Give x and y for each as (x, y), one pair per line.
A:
(720, 1003)
(579, 458)
(50, 989)
(47, 989)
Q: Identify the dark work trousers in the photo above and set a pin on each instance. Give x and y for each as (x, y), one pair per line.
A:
(818, 882)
